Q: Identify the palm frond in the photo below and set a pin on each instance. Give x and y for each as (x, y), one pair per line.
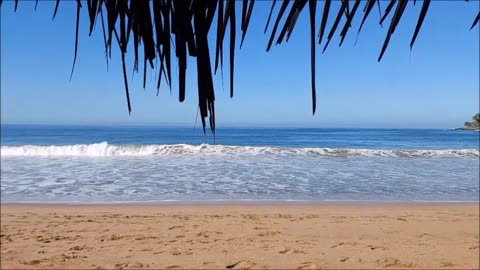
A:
(57, 2)
(246, 21)
(312, 8)
(402, 4)
(475, 22)
(348, 23)
(366, 11)
(340, 13)
(158, 25)
(387, 10)
(79, 5)
(323, 24)
(269, 16)
(421, 17)
(231, 15)
(277, 21)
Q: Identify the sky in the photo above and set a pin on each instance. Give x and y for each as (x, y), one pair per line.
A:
(436, 85)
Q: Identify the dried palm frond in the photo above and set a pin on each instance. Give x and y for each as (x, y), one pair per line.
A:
(475, 21)
(155, 24)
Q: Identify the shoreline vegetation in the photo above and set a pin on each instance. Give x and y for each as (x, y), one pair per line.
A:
(474, 125)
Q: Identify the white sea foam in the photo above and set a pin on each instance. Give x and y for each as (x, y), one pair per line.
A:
(105, 150)
(234, 173)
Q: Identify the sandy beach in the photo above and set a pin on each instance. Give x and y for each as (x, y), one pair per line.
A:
(240, 236)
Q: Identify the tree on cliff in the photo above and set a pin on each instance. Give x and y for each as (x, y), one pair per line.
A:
(476, 119)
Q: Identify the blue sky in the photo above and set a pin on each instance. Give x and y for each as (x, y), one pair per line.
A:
(434, 86)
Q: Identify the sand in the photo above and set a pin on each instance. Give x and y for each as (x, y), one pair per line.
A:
(240, 236)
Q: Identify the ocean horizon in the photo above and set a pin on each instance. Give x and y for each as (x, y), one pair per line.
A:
(94, 164)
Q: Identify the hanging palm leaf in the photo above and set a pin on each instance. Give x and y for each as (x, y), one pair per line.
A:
(156, 24)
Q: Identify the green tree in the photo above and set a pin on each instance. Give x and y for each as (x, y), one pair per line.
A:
(476, 118)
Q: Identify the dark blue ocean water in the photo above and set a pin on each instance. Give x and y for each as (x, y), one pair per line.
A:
(158, 164)
(282, 137)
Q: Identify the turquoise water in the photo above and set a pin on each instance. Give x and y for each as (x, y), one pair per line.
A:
(147, 164)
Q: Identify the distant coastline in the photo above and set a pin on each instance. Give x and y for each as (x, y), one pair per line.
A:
(467, 128)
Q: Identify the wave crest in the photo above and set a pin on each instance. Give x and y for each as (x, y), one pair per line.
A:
(105, 150)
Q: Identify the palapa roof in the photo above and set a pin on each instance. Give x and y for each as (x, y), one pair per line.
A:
(156, 25)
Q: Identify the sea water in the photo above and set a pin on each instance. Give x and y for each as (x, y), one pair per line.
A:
(87, 164)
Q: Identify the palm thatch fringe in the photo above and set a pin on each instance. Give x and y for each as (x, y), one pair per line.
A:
(151, 24)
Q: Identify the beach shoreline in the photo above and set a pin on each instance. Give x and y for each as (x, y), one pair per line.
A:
(212, 236)
(234, 203)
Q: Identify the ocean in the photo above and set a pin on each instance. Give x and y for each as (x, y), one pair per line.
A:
(87, 164)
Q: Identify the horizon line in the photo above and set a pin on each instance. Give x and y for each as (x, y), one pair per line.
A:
(219, 126)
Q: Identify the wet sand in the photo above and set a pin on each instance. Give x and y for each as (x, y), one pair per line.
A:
(240, 236)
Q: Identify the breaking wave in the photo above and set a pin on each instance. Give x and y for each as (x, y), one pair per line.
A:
(104, 150)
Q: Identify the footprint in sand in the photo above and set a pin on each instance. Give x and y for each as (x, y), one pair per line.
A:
(211, 265)
(446, 264)
(6, 237)
(290, 250)
(269, 233)
(394, 262)
(373, 247)
(344, 244)
(285, 251)
(79, 248)
(202, 234)
(33, 262)
(350, 259)
(308, 265)
(176, 253)
(135, 265)
(114, 237)
(241, 265)
(388, 262)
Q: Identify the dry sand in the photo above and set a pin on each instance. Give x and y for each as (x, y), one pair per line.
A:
(240, 236)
